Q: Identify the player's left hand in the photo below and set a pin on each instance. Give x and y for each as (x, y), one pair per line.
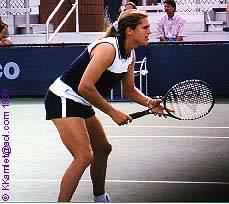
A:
(156, 107)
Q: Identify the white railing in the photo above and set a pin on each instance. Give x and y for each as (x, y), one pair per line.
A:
(74, 7)
(141, 71)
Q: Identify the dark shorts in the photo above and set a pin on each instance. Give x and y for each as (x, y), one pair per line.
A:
(53, 107)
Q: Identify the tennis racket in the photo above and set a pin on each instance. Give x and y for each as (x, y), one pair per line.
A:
(189, 100)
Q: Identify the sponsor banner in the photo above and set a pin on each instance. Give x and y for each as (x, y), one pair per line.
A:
(28, 71)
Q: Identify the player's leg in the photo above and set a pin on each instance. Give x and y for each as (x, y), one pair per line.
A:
(74, 135)
(101, 150)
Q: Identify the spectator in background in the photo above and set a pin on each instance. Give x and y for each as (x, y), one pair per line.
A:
(4, 34)
(129, 5)
(171, 26)
(134, 1)
(112, 9)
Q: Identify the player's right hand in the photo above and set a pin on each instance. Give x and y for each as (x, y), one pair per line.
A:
(120, 118)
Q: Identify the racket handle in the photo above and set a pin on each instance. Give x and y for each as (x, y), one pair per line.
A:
(140, 114)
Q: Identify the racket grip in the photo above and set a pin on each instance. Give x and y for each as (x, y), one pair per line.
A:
(140, 114)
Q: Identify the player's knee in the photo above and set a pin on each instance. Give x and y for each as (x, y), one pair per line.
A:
(85, 157)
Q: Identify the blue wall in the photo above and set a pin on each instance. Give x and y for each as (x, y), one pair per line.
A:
(39, 66)
(170, 63)
(167, 64)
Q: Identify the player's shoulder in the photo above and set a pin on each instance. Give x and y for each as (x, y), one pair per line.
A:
(108, 43)
(108, 40)
(105, 48)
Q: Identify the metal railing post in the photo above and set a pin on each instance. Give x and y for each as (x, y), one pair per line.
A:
(27, 16)
(7, 6)
(77, 16)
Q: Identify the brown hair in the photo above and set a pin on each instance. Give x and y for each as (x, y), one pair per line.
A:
(130, 18)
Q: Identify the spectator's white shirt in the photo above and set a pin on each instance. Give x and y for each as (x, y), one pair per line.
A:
(171, 27)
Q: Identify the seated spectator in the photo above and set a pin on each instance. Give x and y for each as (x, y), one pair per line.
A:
(129, 5)
(4, 34)
(171, 26)
(134, 1)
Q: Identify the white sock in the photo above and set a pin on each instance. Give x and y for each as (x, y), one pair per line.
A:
(104, 198)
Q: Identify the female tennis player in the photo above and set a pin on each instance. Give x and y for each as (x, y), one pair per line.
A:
(70, 99)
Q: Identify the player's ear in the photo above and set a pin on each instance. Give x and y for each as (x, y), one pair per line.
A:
(129, 31)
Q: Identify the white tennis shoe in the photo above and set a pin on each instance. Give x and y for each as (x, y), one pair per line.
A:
(104, 198)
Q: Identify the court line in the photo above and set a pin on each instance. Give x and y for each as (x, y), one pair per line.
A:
(166, 182)
(167, 126)
(128, 181)
(163, 136)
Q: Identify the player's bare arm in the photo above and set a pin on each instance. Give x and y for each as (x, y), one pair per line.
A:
(98, 64)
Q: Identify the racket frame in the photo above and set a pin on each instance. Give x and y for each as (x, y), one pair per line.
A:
(168, 112)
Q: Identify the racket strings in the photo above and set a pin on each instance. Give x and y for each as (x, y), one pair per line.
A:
(190, 100)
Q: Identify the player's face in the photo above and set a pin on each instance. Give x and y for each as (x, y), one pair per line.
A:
(142, 32)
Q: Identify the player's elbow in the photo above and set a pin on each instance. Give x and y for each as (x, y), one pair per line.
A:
(128, 92)
(84, 89)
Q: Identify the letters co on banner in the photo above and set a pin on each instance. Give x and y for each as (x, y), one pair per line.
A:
(10, 70)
